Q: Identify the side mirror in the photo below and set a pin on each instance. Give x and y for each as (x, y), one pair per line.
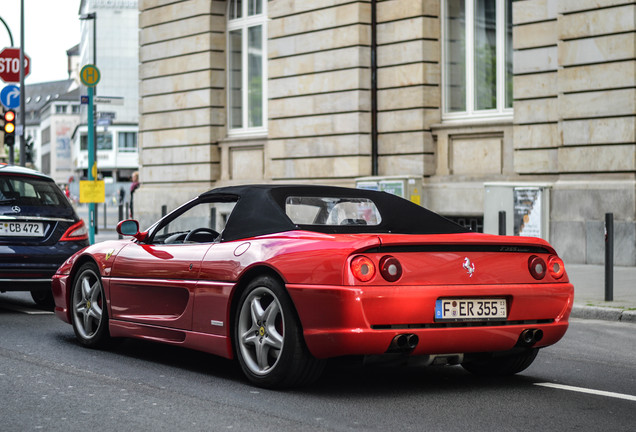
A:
(130, 227)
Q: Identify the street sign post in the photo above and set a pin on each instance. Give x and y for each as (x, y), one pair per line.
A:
(109, 100)
(10, 65)
(92, 191)
(10, 96)
(105, 118)
(89, 75)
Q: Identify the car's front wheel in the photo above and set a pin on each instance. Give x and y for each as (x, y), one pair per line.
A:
(88, 308)
(502, 365)
(268, 338)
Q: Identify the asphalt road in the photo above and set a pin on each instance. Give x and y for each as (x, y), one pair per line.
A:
(48, 382)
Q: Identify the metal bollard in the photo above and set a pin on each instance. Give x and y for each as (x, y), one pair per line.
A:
(121, 216)
(164, 211)
(96, 219)
(502, 223)
(609, 256)
(213, 218)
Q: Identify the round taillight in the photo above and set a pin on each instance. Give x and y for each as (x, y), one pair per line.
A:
(362, 268)
(556, 267)
(537, 267)
(390, 268)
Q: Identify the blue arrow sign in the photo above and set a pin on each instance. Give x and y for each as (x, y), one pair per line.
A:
(10, 96)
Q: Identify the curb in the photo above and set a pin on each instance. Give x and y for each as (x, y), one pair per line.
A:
(603, 313)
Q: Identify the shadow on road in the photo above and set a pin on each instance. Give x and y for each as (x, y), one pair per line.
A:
(343, 376)
(20, 302)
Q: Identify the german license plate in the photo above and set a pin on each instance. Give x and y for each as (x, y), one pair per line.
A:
(470, 309)
(22, 229)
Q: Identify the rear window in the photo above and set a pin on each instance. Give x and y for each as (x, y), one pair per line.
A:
(332, 211)
(30, 191)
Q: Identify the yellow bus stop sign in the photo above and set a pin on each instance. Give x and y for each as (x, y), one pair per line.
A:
(92, 191)
(90, 75)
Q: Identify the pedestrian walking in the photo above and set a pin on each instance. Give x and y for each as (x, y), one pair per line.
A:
(133, 188)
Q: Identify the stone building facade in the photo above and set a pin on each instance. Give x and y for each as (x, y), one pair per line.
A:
(456, 94)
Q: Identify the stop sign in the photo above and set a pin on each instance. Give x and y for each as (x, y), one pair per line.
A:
(10, 65)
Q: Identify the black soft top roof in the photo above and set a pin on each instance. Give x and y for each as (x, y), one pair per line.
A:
(260, 210)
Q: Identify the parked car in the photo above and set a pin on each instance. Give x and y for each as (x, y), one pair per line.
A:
(283, 277)
(39, 230)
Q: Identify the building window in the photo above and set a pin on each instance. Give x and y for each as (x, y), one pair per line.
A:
(75, 109)
(104, 141)
(477, 58)
(246, 66)
(127, 142)
(60, 109)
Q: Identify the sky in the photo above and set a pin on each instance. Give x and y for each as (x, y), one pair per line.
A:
(51, 28)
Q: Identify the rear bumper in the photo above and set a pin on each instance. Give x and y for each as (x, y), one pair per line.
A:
(31, 267)
(364, 320)
(23, 278)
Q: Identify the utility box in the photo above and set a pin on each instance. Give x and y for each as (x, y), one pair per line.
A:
(408, 187)
(526, 207)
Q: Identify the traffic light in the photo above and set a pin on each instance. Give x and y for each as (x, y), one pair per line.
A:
(9, 127)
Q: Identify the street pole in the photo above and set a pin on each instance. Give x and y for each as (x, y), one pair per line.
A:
(22, 103)
(89, 75)
(609, 257)
(8, 30)
(94, 15)
(92, 112)
(92, 167)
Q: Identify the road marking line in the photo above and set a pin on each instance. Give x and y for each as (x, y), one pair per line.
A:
(588, 391)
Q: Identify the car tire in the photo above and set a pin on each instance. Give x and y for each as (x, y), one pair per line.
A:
(89, 313)
(43, 299)
(503, 365)
(268, 338)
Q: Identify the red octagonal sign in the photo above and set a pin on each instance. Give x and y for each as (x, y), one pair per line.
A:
(10, 65)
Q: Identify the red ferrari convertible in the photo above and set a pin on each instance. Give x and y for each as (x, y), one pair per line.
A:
(283, 277)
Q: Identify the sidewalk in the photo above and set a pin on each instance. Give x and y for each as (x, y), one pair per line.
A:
(105, 234)
(589, 293)
(589, 289)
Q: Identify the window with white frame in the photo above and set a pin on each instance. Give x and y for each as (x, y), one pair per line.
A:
(127, 142)
(246, 48)
(477, 58)
(104, 141)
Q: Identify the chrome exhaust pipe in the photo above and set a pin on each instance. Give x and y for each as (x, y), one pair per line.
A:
(404, 343)
(412, 340)
(530, 337)
(400, 341)
(527, 337)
